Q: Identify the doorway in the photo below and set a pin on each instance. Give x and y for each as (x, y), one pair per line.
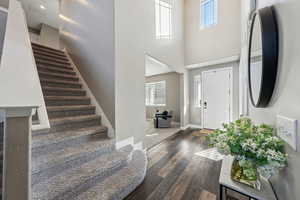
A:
(217, 97)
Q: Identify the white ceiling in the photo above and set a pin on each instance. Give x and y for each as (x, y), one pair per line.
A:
(155, 67)
(37, 16)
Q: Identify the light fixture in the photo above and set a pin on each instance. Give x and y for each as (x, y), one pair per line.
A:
(42, 7)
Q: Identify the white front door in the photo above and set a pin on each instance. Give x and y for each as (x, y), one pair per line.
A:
(216, 97)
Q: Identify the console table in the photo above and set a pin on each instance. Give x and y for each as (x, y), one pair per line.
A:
(226, 183)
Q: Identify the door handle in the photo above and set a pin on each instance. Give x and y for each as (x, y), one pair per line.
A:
(205, 105)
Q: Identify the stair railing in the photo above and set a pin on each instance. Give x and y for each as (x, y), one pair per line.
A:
(20, 96)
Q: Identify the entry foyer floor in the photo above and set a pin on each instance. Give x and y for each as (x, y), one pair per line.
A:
(156, 135)
(176, 172)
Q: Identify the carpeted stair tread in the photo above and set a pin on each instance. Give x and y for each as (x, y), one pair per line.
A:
(120, 184)
(76, 119)
(44, 53)
(75, 91)
(52, 59)
(42, 68)
(47, 51)
(39, 141)
(38, 47)
(45, 47)
(45, 81)
(68, 111)
(61, 75)
(63, 156)
(69, 108)
(66, 67)
(66, 100)
(65, 97)
(51, 63)
(65, 185)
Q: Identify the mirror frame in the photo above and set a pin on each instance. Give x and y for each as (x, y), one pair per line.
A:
(270, 51)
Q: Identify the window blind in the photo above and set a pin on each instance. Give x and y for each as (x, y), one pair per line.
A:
(156, 93)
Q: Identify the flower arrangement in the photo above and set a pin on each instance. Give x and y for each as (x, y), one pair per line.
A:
(255, 148)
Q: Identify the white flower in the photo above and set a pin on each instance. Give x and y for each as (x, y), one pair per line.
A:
(249, 145)
(273, 155)
(260, 153)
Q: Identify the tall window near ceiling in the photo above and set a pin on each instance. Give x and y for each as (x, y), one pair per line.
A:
(163, 19)
(156, 93)
(209, 13)
(197, 91)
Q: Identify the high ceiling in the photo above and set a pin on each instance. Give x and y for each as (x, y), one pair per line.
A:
(36, 15)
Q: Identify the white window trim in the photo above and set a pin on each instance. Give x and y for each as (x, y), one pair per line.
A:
(197, 102)
(216, 15)
(156, 105)
(160, 36)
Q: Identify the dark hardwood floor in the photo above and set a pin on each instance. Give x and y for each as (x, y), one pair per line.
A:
(176, 173)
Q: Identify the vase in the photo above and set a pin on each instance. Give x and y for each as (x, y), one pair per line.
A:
(238, 175)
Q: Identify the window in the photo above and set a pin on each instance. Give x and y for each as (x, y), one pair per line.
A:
(197, 91)
(156, 94)
(209, 13)
(163, 19)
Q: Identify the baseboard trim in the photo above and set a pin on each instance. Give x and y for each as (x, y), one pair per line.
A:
(191, 126)
(123, 143)
(138, 146)
(129, 141)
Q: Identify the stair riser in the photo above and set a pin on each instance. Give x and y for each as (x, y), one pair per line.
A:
(76, 125)
(56, 70)
(63, 93)
(62, 67)
(48, 76)
(41, 150)
(54, 52)
(67, 102)
(61, 85)
(47, 171)
(57, 114)
(51, 59)
(42, 53)
(43, 62)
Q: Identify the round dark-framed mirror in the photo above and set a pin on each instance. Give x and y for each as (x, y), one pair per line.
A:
(263, 56)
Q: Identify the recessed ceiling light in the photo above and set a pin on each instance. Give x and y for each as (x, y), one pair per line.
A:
(42, 7)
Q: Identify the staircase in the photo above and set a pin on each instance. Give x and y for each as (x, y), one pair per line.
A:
(75, 159)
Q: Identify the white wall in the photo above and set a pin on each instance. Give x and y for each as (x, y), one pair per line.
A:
(130, 49)
(87, 31)
(172, 95)
(34, 37)
(4, 3)
(135, 37)
(170, 52)
(49, 36)
(222, 40)
(286, 98)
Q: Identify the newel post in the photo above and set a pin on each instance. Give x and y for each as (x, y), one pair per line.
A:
(17, 154)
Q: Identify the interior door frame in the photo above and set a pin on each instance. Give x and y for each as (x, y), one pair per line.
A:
(230, 69)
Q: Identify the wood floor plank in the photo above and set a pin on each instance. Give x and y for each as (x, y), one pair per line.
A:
(175, 172)
(177, 190)
(162, 189)
(205, 195)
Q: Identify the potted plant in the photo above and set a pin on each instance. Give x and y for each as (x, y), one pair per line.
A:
(257, 151)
